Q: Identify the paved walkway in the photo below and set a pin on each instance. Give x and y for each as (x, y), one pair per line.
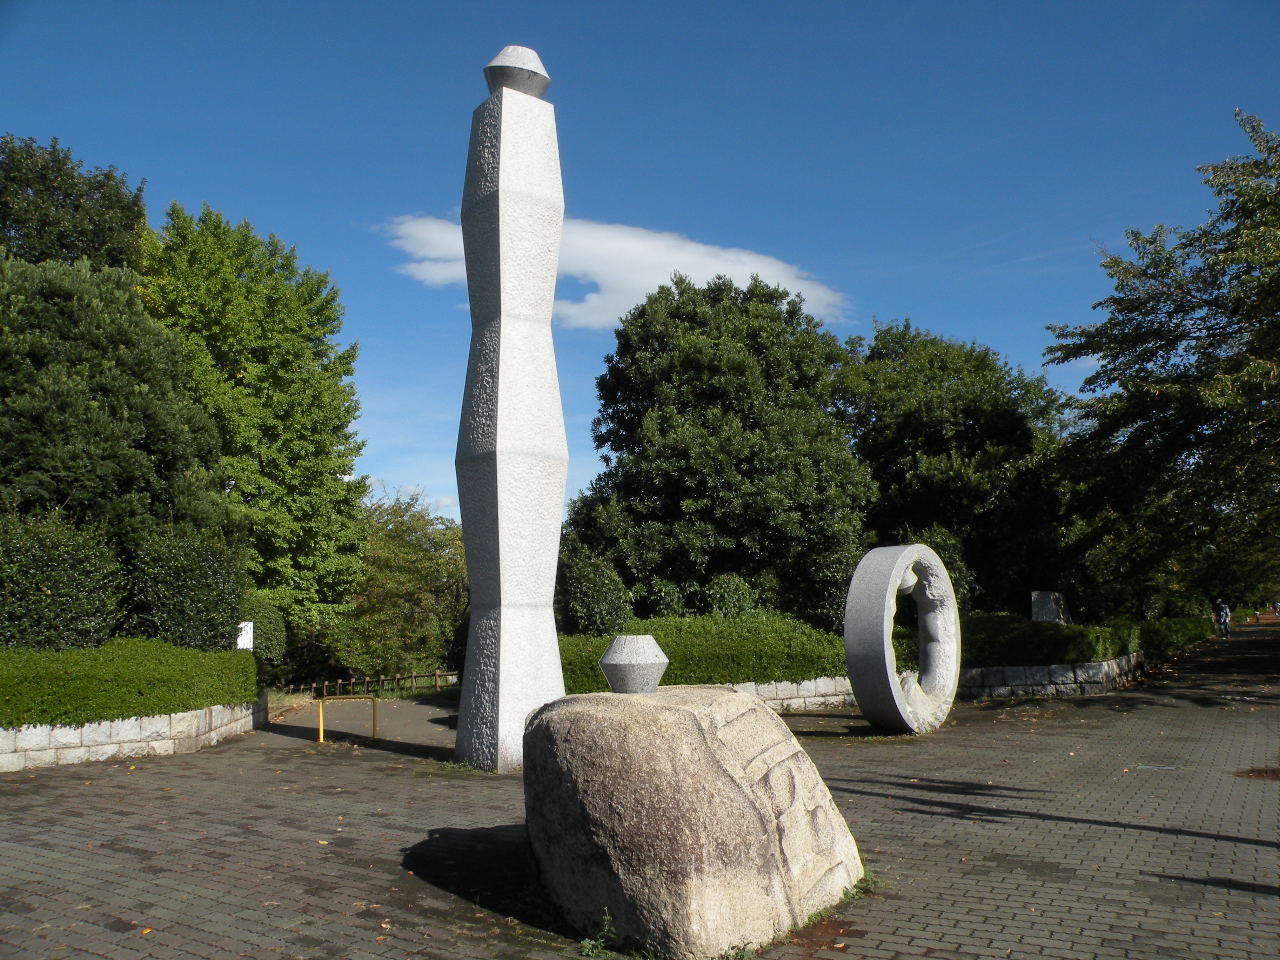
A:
(1140, 824)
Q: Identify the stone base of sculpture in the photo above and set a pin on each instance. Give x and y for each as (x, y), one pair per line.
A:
(902, 702)
(690, 814)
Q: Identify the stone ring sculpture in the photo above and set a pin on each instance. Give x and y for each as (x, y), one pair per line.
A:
(906, 702)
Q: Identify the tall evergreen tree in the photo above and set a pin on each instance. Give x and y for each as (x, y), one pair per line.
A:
(258, 338)
(51, 208)
(721, 454)
(94, 417)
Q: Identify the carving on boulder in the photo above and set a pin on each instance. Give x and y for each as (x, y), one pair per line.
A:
(691, 814)
(906, 702)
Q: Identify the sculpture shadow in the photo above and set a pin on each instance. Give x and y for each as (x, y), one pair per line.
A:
(843, 725)
(1226, 883)
(926, 798)
(308, 732)
(897, 786)
(491, 867)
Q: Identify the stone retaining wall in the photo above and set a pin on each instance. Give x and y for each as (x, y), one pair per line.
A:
(816, 694)
(1059, 680)
(46, 745)
(976, 683)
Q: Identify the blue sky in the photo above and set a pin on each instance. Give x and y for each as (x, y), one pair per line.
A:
(956, 163)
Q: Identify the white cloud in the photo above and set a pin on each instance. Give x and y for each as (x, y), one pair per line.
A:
(623, 263)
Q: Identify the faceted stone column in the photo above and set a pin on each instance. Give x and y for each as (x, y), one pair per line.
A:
(512, 454)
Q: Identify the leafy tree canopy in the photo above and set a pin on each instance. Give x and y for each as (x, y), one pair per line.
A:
(409, 608)
(53, 209)
(258, 339)
(959, 444)
(721, 454)
(1181, 427)
(94, 419)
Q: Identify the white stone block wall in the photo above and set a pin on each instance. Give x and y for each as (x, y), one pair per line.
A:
(976, 683)
(815, 694)
(1056, 680)
(47, 745)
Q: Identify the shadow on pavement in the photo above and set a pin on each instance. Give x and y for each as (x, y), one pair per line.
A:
(489, 866)
(308, 732)
(1226, 883)
(960, 810)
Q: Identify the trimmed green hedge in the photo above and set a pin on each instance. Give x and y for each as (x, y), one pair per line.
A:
(60, 586)
(187, 589)
(1006, 640)
(126, 677)
(765, 646)
(760, 646)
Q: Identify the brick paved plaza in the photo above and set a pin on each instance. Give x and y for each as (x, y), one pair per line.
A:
(1140, 824)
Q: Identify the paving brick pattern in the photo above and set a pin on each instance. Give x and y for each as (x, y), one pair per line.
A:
(1122, 826)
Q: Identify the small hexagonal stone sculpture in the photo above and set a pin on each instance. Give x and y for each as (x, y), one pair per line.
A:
(634, 664)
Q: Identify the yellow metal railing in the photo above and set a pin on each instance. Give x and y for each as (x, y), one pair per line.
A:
(372, 700)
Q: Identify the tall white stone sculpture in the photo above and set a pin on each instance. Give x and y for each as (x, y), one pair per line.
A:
(512, 454)
(905, 702)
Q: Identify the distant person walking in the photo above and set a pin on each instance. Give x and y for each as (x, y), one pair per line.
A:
(1222, 613)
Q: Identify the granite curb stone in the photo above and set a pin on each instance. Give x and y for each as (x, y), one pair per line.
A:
(45, 745)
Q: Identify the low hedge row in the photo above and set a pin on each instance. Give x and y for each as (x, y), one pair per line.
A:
(761, 646)
(766, 646)
(125, 677)
(996, 640)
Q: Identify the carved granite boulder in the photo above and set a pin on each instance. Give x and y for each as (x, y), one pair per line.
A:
(691, 814)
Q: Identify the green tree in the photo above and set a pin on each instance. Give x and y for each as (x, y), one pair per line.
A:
(961, 448)
(1180, 430)
(94, 419)
(410, 607)
(721, 455)
(258, 339)
(53, 209)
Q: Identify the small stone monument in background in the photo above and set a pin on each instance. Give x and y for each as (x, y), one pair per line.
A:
(512, 455)
(1049, 606)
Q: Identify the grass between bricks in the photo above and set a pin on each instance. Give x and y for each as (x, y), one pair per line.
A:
(604, 942)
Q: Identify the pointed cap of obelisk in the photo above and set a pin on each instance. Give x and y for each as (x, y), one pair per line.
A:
(517, 68)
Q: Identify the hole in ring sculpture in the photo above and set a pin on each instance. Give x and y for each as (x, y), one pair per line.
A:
(906, 702)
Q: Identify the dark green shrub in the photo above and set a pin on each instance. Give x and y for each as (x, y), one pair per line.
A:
(186, 588)
(595, 600)
(728, 595)
(989, 640)
(268, 627)
(662, 598)
(1162, 639)
(126, 677)
(96, 421)
(761, 646)
(60, 586)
